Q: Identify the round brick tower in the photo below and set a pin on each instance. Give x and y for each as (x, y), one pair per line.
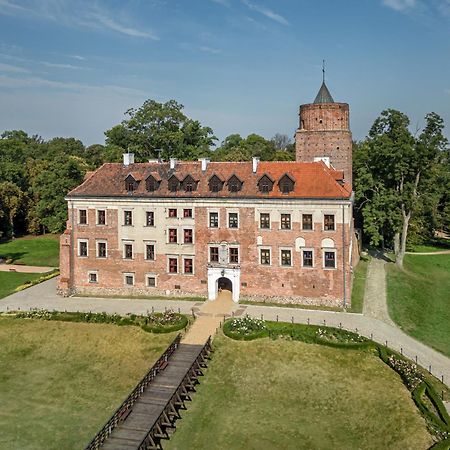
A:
(324, 132)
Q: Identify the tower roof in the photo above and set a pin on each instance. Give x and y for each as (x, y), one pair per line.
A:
(323, 96)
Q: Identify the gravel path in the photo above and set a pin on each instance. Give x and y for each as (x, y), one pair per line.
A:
(24, 269)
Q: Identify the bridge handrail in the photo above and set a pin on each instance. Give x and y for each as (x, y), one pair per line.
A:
(107, 429)
(142, 445)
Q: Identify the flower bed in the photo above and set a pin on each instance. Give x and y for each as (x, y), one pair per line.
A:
(165, 322)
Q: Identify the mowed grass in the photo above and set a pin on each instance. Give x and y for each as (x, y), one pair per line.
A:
(60, 382)
(419, 299)
(359, 285)
(32, 250)
(10, 280)
(284, 394)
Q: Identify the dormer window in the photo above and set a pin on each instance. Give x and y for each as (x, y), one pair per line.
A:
(234, 184)
(265, 184)
(286, 184)
(215, 184)
(151, 183)
(174, 184)
(189, 184)
(130, 183)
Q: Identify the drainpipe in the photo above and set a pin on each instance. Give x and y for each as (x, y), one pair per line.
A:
(343, 257)
(72, 249)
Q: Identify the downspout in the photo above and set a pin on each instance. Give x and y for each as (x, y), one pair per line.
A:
(72, 249)
(343, 257)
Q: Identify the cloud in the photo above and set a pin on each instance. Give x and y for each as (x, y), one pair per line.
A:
(12, 69)
(267, 12)
(62, 66)
(207, 49)
(400, 5)
(77, 57)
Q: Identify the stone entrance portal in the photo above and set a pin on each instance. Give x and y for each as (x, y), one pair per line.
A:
(224, 278)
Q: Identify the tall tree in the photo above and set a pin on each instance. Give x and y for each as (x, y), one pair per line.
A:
(161, 126)
(12, 201)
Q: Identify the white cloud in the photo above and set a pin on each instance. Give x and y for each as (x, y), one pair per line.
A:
(61, 66)
(267, 12)
(400, 5)
(77, 57)
(12, 69)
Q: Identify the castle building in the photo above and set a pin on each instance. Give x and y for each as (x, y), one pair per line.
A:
(271, 231)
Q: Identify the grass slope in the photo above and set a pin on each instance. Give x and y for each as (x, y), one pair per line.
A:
(59, 382)
(10, 280)
(291, 395)
(32, 250)
(359, 284)
(419, 299)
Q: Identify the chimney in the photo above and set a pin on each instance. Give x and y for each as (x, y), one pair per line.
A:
(205, 162)
(128, 158)
(255, 162)
(173, 163)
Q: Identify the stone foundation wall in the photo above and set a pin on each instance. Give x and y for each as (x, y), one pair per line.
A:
(311, 301)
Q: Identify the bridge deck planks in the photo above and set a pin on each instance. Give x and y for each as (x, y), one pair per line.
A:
(129, 434)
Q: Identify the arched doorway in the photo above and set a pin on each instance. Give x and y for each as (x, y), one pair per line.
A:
(224, 284)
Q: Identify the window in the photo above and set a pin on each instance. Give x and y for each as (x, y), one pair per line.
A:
(265, 257)
(307, 222)
(187, 213)
(307, 258)
(286, 184)
(234, 255)
(150, 219)
(265, 184)
(128, 251)
(286, 258)
(233, 220)
(330, 260)
(93, 277)
(214, 254)
(128, 218)
(189, 184)
(101, 217)
(130, 183)
(264, 220)
(151, 281)
(82, 217)
(328, 222)
(188, 265)
(82, 248)
(285, 222)
(101, 249)
(129, 279)
(173, 235)
(150, 251)
(151, 184)
(188, 236)
(215, 184)
(214, 220)
(173, 265)
(172, 212)
(234, 184)
(174, 183)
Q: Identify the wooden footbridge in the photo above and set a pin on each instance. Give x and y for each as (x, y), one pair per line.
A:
(152, 408)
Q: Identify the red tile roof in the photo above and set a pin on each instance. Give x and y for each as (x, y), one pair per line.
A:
(312, 180)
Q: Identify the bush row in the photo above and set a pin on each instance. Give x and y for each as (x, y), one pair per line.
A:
(165, 322)
(417, 381)
(47, 276)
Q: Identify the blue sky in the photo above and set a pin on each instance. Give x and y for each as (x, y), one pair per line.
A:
(72, 68)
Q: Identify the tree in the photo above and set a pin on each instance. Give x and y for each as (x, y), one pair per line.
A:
(161, 126)
(281, 141)
(391, 169)
(12, 201)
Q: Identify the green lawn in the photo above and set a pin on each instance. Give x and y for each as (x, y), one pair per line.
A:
(359, 284)
(419, 299)
(10, 280)
(283, 394)
(32, 250)
(60, 382)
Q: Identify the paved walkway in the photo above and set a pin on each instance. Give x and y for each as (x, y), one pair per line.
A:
(375, 299)
(24, 269)
(440, 252)
(44, 296)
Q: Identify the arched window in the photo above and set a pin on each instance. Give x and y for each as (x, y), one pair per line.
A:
(151, 183)
(286, 184)
(174, 183)
(265, 184)
(130, 183)
(215, 184)
(234, 184)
